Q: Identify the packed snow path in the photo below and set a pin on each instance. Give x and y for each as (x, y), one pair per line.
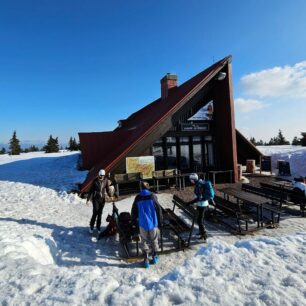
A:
(47, 256)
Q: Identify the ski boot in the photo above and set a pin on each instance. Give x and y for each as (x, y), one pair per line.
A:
(154, 259)
(146, 262)
(202, 236)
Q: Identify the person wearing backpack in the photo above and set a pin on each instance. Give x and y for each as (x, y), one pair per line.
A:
(147, 214)
(203, 192)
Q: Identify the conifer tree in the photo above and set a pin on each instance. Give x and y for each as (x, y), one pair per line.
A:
(2, 151)
(33, 148)
(253, 141)
(281, 139)
(52, 145)
(14, 147)
(72, 145)
(296, 141)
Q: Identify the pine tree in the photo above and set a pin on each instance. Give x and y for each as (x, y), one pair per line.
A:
(253, 141)
(72, 145)
(33, 148)
(281, 139)
(260, 143)
(296, 141)
(52, 145)
(14, 145)
(2, 151)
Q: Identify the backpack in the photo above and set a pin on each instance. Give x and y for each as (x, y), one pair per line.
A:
(207, 190)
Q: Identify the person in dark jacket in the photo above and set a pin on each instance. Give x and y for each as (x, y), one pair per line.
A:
(147, 213)
(97, 195)
(201, 203)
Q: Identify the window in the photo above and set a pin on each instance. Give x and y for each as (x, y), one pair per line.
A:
(171, 152)
(157, 152)
(210, 154)
(197, 154)
(184, 148)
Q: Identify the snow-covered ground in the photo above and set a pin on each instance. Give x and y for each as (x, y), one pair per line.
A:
(47, 256)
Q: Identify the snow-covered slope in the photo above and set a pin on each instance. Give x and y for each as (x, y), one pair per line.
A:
(47, 256)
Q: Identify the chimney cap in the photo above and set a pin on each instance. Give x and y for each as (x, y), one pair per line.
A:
(169, 76)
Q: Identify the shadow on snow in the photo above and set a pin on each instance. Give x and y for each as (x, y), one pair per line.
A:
(73, 246)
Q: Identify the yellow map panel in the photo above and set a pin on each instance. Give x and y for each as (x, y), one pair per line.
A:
(143, 164)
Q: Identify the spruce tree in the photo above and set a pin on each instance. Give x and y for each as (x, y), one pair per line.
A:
(72, 145)
(260, 143)
(14, 145)
(2, 151)
(52, 145)
(253, 141)
(281, 139)
(33, 148)
(296, 141)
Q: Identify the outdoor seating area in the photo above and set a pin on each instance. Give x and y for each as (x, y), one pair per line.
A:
(127, 179)
(175, 235)
(253, 209)
(130, 182)
(170, 177)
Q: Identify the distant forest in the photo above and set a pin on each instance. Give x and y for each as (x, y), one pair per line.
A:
(51, 146)
(279, 140)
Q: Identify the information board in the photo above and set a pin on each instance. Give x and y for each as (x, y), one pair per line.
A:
(143, 164)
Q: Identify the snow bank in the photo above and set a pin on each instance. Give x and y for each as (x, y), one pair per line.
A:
(53, 170)
(296, 155)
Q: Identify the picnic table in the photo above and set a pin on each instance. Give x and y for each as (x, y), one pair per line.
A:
(251, 200)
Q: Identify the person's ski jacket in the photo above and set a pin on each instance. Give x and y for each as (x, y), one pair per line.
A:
(200, 199)
(98, 189)
(300, 186)
(147, 210)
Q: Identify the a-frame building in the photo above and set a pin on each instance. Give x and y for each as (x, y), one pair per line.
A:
(191, 127)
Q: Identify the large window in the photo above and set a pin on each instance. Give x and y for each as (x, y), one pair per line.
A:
(188, 153)
(197, 154)
(158, 153)
(210, 154)
(184, 156)
(171, 152)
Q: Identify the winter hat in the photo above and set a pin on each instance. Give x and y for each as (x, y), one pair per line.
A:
(145, 185)
(102, 172)
(193, 177)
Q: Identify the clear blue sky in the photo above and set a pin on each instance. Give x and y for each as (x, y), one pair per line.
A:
(70, 66)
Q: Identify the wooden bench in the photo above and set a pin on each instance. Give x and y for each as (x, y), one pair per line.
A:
(275, 196)
(127, 178)
(275, 208)
(177, 228)
(232, 209)
(292, 195)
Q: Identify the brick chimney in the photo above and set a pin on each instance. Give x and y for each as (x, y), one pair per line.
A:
(167, 82)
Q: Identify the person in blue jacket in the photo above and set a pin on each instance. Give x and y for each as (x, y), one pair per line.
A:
(203, 194)
(147, 213)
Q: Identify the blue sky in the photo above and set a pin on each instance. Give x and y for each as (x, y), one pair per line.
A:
(70, 66)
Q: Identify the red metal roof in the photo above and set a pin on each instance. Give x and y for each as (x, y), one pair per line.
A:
(105, 149)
